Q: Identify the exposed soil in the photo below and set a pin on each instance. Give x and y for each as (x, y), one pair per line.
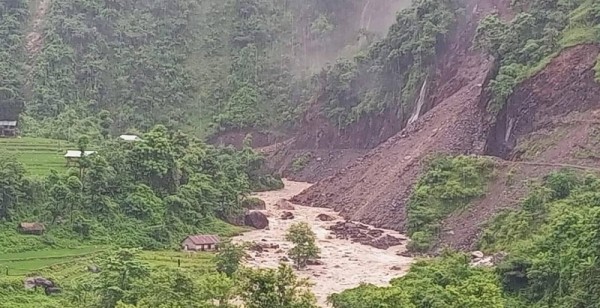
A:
(555, 119)
(236, 138)
(345, 264)
(375, 188)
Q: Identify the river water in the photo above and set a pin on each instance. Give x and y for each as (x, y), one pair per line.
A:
(346, 264)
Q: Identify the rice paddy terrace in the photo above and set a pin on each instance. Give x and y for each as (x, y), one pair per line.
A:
(39, 155)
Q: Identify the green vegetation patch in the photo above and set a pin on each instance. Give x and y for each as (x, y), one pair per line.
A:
(390, 73)
(449, 281)
(38, 155)
(552, 241)
(300, 162)
(448, 184)
(538, 33)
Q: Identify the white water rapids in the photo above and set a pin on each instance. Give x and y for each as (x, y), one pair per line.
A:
(346, 264)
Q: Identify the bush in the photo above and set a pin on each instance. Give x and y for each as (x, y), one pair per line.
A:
(448, 184)
(300, 162)
(253, 203)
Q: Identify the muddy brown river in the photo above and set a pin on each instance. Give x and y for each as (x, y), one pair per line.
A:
(346, 264)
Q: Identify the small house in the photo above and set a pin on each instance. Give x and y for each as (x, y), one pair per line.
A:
(73, 156)
(130, 138)
(200, 243)
(35, 228)
(8, 128)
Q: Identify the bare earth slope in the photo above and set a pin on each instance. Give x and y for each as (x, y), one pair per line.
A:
(555, 118)
(376, 187)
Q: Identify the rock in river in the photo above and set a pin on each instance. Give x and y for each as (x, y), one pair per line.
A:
(256, 219)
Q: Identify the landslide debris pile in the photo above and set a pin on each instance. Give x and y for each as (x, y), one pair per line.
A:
(375, 188)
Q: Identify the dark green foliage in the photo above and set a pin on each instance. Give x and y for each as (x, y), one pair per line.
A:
(539, 30)
(199, 66)
(13, 15)
(275, 288)
(388, 76)
(448, 184)
(147, 194)
(229, 258)
(449, 281)
(253, 203)
(552, 241)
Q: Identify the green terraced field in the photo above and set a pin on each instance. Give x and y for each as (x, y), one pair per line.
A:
(39, 155)
(68, 267)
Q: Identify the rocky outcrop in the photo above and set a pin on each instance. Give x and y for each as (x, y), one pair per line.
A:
(360, 233)
(256, 220)
(283, 204)
(254, 204)
(325, 217)
(287, 215)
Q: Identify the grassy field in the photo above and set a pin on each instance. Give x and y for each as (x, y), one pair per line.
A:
(39, 155)
(20, 264)
(68, 267)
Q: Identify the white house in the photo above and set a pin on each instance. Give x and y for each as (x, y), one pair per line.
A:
(73, 156)
(130, 138)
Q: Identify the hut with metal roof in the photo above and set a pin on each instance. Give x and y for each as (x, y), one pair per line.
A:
(8, 128)
(130, 138)
(73, 156)
(200, 242)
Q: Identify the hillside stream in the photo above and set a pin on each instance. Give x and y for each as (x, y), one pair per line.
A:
(345, 264)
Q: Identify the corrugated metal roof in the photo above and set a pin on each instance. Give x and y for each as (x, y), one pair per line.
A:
(77, 154)
(204, 239)
(8, 123)
(130, 137)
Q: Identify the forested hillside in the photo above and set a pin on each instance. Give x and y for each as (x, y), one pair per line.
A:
(13, 16)
(204, 67)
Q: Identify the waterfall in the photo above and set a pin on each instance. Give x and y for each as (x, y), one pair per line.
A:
(509, 129)
(363, 24)
(420, 102)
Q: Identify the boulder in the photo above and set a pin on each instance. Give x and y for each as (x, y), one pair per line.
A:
(52, 290)
(396, 268)
(287, 215)
(256, 219)
(283, 204)
(284, 259)
(385, 242)
(477, 255)
(32, 282)
(253, 203)
(93, 268)
(314, 262)
(325, 217)
(375, 233)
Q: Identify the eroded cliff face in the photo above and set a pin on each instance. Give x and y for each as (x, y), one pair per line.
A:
(376, 187)
(551, 121)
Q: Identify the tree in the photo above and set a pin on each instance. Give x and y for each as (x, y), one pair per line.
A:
(303, 237)
(119, 273)
(12, 184)
(275, 288)
(105, 123)
(229, 258)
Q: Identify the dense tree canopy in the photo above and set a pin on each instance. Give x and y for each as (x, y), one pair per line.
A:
(153, 191)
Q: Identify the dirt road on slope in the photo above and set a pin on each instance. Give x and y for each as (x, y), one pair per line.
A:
(346, 264)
